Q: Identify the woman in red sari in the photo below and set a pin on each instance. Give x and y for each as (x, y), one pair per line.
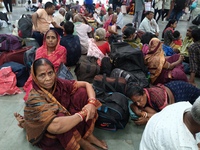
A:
(53, 51)
(59, 114)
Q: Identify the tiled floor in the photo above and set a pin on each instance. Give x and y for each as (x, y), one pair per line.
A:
(13, 138)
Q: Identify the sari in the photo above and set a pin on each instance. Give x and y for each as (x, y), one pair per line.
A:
(155, 61)
(94, 51)
(42, 107)
(109, 23)
(57, 57)
(155, 58)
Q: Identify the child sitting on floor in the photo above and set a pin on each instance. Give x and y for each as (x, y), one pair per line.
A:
(176, 44)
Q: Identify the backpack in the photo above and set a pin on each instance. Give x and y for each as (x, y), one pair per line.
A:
(109, 84)
(114, 112)
(9, 42)
(125, 57)
(25, 26)
(86, 68)
(138, 77)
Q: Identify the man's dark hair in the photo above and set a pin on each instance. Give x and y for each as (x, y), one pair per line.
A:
(148, 12)
(69, 27)
(48, 5)
(109, 9)
(196, 35)
(193, 27)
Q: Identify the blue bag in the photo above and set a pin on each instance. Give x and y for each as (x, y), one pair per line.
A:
(114, 112)
(168, 50)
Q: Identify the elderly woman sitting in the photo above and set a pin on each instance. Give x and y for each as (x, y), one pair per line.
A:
(53, 51)
(55, 115)
(98, 47)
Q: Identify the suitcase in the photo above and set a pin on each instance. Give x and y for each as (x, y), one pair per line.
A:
(14, 55)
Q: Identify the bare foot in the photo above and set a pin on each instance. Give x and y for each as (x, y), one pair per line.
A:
(20, 120)
(85, 145)
(93, 140)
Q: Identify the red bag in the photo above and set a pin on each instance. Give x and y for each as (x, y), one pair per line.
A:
(14, 55)
(8, 82)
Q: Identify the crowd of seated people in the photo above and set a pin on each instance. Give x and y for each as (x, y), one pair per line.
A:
(79, 36)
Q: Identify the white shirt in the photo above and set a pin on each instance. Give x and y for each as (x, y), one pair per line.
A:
(167, 4)
(148, 26)
(58, 18)
(82, 31)
(120, 20)
(158, 4)
(167, 131)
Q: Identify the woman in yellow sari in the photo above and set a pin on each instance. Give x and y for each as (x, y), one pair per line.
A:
(59, 114)
(163, 70)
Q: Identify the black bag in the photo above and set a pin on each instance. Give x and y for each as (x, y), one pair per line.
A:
(114, 112)
(20, 71)
(196, 20)
(3, 16)
(126, 57)
(137, 78)
(86, 68)
(106, 66)
(108, 84)
(25, 26)
(64, 73)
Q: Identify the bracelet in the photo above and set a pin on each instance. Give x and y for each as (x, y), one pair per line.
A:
(82, 114)
(92, 101)
(144, 114)
(91, 98)
(79, 116)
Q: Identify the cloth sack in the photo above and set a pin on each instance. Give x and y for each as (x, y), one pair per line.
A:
(9, 42)
(8, 82)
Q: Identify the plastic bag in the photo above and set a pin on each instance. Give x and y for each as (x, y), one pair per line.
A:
(64, 73)
(8, 82)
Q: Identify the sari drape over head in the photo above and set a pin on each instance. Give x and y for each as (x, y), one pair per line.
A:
(155, 58)
(57, 57)
(42, 107)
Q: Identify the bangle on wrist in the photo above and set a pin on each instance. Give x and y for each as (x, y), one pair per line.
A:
(144, 114)
(82, 114)
(92, 101)
(79, 116)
